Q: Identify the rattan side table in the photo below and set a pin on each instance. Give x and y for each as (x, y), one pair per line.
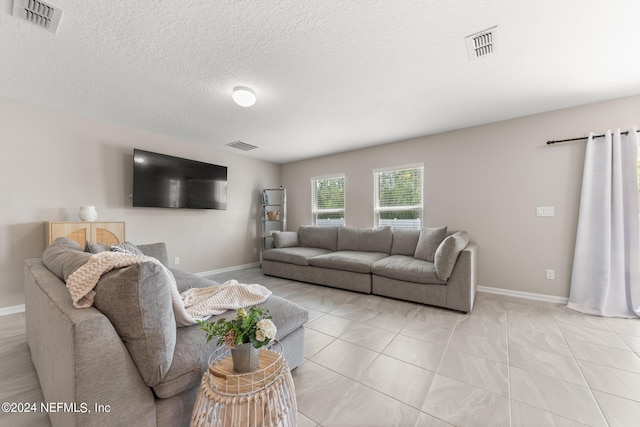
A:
(265, 397)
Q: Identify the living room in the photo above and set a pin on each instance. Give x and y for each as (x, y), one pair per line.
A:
(487, 178)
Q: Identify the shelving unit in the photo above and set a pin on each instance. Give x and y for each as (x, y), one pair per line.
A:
(273, 214)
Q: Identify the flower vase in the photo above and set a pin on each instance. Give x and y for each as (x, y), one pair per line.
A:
(245, 358)
(88, 213)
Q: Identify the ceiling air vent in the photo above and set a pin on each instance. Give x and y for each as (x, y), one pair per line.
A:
(241, 145)
(481, 44)
(38, 12)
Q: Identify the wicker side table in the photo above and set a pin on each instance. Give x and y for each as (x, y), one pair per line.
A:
(265, 397)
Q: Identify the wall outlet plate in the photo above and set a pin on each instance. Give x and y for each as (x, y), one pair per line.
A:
(545, 211)
(551, 274)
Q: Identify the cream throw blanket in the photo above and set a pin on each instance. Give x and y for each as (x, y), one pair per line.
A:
(188, 307)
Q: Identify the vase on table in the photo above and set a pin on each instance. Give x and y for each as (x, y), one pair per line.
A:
(88, 213)
(245, 358)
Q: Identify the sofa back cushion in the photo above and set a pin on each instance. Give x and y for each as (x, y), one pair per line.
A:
(447, 253)
(285, 239)
(63, 257)
(404, 242)
(318, 237)
(428, 242)
(365, 239)
(137, 301)
(156, 250)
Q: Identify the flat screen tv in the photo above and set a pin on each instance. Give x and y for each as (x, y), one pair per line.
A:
(162, 181)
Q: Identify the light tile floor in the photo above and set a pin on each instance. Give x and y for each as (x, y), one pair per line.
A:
(373, 361)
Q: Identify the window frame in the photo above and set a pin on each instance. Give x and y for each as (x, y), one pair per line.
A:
(315, 211)
(377, 209)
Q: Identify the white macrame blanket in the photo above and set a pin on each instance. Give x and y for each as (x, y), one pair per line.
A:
(189, 306)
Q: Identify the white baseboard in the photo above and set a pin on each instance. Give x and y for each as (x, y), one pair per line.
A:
(5, 311)
(526, 295)
(227, 269)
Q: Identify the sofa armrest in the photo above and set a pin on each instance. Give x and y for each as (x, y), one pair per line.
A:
(461, 286)
(80, 359)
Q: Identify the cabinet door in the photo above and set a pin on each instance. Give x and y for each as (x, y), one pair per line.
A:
(109, 233)
(78, 231)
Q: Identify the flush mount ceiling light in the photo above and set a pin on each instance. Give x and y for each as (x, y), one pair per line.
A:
(244, 96)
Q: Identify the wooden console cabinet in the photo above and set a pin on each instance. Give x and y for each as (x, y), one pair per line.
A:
(110, 233)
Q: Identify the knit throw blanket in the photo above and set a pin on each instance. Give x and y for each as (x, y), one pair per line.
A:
(189, 306)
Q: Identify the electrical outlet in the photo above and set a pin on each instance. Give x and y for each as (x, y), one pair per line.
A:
(551, 274)
(176, 261)
(255, 250)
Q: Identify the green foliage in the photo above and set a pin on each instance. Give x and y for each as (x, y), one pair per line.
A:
(242, 329)
(330, 193)
(400, 187)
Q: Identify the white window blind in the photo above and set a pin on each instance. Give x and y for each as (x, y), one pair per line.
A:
(327, 195)
(398, 196)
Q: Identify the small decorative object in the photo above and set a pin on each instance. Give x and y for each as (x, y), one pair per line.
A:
(273, 215)
(88, 213)
(244, 335)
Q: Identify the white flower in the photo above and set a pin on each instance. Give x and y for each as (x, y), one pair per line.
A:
(265, 329)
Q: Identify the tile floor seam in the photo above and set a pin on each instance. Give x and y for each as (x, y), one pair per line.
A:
(593, 396)
(506, 326)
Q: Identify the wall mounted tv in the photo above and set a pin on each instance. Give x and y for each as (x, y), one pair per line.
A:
(162, 181)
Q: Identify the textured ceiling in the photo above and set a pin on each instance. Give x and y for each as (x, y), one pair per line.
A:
(330, 75)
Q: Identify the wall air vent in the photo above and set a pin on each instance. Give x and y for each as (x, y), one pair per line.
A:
(481, 44)
(241, 145)
(40, 13)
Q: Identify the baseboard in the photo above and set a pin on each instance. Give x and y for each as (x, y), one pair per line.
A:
(227, 269)
(5, 311)
(526, 295)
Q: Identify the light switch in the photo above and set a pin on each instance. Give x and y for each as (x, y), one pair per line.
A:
(545, 211)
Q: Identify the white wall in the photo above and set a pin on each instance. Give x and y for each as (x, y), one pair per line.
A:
(487, 180)
(53, 162)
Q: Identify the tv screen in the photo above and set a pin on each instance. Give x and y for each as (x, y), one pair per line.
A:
(162, 181)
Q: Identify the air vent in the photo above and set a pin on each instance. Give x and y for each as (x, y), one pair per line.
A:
(481, 44)
(40, 13)
(241, 145)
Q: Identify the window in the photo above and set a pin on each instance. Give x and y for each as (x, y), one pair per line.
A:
(398, 196)
(327, 198)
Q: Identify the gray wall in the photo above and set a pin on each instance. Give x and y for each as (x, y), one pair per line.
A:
(487, 180)
(53, 162)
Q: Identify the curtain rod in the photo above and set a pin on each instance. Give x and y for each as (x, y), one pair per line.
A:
(581, 138)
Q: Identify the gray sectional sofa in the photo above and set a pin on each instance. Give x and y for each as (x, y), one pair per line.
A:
(125, 353)
(428, 266)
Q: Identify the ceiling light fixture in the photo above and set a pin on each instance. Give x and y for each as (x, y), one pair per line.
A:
(244, 96)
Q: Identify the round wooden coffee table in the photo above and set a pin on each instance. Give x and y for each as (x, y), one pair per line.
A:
(265, 397)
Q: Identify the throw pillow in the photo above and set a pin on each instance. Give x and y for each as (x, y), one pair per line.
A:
(137, 301)
(285, 239)
(96, 248)
(63, 257)
(448, 252)
(428, 242)
(127, 247)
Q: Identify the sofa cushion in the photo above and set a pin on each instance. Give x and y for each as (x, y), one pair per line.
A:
(192, 351)
(137, 301)
(407, 268)
(318, 237)
(365, 239)
(285, 239)
(96, 248)
(428, 242)
(298, 256)
(404, 242)
(357, 262)
(64, 256)
(186, 281)
(447, 253)
(156, 250)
